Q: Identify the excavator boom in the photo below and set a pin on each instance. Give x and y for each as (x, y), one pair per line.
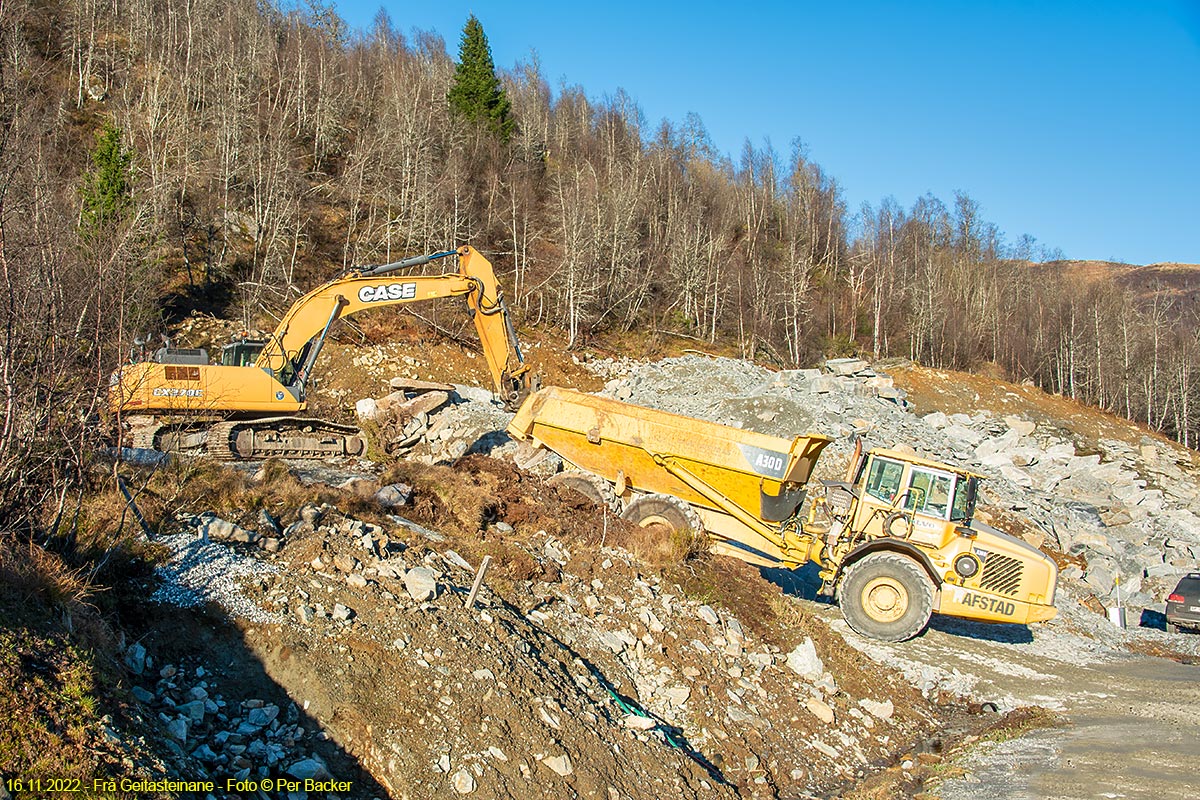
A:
(293, 347)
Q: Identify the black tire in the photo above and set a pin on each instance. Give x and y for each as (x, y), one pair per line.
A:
(663, 509)
(897, 525)
(886, 596)
(593, 487)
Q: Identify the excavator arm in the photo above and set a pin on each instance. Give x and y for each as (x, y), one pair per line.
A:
(293, 347)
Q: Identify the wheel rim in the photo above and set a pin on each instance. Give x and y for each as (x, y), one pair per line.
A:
(885, 599)
(655, 519)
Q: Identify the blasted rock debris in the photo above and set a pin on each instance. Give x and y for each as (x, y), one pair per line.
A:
(594, 674)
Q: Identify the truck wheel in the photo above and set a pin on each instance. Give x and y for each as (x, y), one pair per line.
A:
(886, 596)
(593, 487)
(663, 509)
(681, 522)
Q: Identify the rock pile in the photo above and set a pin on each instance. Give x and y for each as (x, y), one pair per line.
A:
(606, 677)
(238, 740)
(436, 423)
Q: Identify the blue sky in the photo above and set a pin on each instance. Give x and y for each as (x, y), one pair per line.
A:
(1075, 122)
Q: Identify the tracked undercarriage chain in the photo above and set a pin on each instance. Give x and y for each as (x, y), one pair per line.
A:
(284, 437)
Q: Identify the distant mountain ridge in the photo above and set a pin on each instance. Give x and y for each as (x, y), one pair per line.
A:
(1179, 282)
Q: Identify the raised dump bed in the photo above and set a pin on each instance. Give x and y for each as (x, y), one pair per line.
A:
(742, 484)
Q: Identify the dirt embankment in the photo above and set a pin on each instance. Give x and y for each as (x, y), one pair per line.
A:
(594, 664)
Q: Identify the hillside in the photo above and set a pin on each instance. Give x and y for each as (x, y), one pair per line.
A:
(597, 661)
(1178, 284)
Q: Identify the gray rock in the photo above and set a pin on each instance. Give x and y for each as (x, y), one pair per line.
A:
(1101, 578)
(194, 710)
(1016, 475)
(820, 709)
(735, 713)
(560, 764)
(222, 530)
(805, 662)
(1162, 571)
(463, 781)
(394, 495)
(706, 613)
(305, 614)
(474, 394)
(612, 641)
(421, 583)
(268, 522)
(142, 695)
(457, 560)
(135, 658)
(877, 709)
(677, 695)
(846, 366)
(205, 754)
(962, 434)
(311, 514)
(936, 420)
(177, 729)
(356, 580)
(263, 715)
(1022, 427)
(823, 384)
(366, 408)
(638, 723)
(557, 553)
(309, 769)
(342, 613)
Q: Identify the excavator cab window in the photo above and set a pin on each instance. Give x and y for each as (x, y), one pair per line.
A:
(241, 354)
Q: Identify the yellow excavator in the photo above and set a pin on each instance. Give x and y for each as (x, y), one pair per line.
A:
(251, 404)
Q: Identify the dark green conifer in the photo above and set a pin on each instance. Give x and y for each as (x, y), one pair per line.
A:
(477, 94)
(107, 190)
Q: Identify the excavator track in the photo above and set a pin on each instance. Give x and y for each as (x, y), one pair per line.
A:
(236, 440)
(284, 437)
(143, 437)
(220, 440)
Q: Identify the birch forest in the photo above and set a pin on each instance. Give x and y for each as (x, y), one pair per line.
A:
(259, 149)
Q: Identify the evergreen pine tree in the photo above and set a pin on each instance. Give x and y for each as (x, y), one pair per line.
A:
(108, 188)
(477, 94)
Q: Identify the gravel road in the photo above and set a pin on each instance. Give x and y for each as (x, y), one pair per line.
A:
(1134, 732)
(1133, 722)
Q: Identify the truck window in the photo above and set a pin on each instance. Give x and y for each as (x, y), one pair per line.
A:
(929, 492)
(884, 479)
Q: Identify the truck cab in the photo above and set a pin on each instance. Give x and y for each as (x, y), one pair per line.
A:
(911, 498)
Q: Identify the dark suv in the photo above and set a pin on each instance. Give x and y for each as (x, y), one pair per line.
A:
(1183, 604)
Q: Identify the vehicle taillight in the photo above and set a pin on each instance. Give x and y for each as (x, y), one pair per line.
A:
(1174, 598)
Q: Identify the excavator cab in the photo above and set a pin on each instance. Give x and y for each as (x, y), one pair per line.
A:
(242, 353)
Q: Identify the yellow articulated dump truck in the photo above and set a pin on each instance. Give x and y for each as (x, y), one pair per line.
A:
(895, 541)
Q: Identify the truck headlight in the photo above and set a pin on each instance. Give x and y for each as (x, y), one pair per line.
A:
(966, 565)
